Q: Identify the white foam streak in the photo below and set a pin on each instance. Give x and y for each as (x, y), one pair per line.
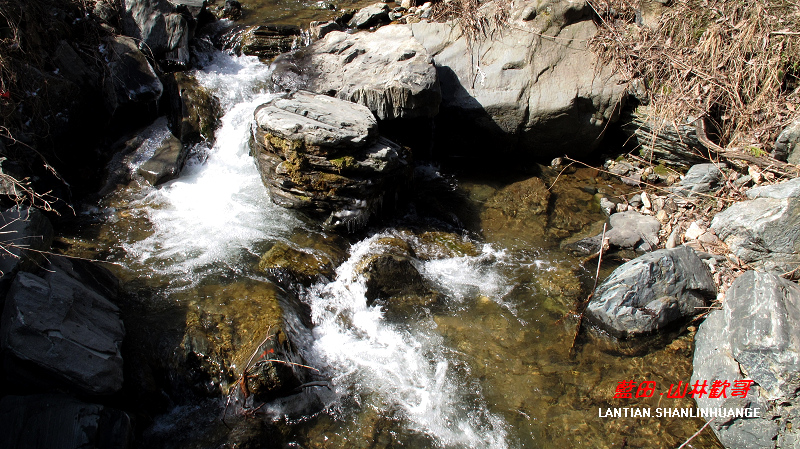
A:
(397, 367)
(218, 209)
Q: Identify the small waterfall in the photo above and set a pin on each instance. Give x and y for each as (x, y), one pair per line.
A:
(218, 209)
(403, 367)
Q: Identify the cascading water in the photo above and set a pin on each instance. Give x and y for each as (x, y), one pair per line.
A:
(404, 367)
(218, 213)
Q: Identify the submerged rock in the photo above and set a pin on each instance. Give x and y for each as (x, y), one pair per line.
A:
(388, 71)
(534, 89)
(288, 265)
(228, 325)
(764, 231)
(67, 329)
(61, 422)
(651, 292)
(754, 336)
(322, 155)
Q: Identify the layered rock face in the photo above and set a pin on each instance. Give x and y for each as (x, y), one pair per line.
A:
(755, 336)
(323, 156)
(533, 88)
(387, 71)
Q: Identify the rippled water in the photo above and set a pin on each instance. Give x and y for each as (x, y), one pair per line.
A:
(488, 366)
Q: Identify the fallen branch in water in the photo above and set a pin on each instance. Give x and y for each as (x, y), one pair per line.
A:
(582, 306)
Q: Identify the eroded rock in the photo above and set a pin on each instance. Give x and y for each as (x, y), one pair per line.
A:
(322, 155)
(388, 71)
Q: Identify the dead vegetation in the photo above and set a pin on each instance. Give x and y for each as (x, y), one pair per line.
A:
(475, 17)
(733, 64)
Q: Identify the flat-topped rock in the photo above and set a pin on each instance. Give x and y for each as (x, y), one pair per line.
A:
(323, 156)
(388, 71)
(315, 124)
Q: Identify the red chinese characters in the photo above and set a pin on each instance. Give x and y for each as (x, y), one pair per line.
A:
(628, 389)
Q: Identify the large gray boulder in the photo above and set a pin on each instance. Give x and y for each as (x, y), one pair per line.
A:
(323, 156)
(61, 422)
(388, 71)
(159, 29)
(764, 231)
(756, 335)
(532, 87)
(651, 292)
(65, 328)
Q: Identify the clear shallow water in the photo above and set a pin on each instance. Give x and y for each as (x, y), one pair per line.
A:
(489, 366)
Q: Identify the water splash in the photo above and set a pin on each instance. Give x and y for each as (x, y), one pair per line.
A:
(396, 366)
(218, 210)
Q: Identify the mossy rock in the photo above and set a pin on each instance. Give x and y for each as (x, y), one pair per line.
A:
(443, 245)
(224, 326)
(287, 264)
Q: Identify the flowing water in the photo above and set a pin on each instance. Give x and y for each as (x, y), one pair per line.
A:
(487, 365)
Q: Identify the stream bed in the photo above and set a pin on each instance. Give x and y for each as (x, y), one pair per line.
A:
(492, 362)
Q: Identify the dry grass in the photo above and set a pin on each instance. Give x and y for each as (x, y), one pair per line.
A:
(736, 63)
(476, 18)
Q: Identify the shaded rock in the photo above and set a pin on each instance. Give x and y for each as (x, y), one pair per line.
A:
(61, 422)
(322, 156)
(786, 146)
(65, 328)
(651, 292)
(159, 28)
(232, 10)
(367, 17)
(195, 112)
(536, 91)
(72, 65)
(764, 231)
(701, 178)
(132, 79)
(22, 227)
(107, 11)
(754, 336)
(661, 141)
(387, 71)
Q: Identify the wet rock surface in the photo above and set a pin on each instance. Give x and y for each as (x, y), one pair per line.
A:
(764, 231)
(388, 71)
(322, 156)
(132, 79)
(166, 163)
(194, 112)
(264, 41)
(754, 336)
(651, 292)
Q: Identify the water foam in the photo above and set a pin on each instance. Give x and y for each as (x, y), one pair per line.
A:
(218, 209)
(401, 367)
